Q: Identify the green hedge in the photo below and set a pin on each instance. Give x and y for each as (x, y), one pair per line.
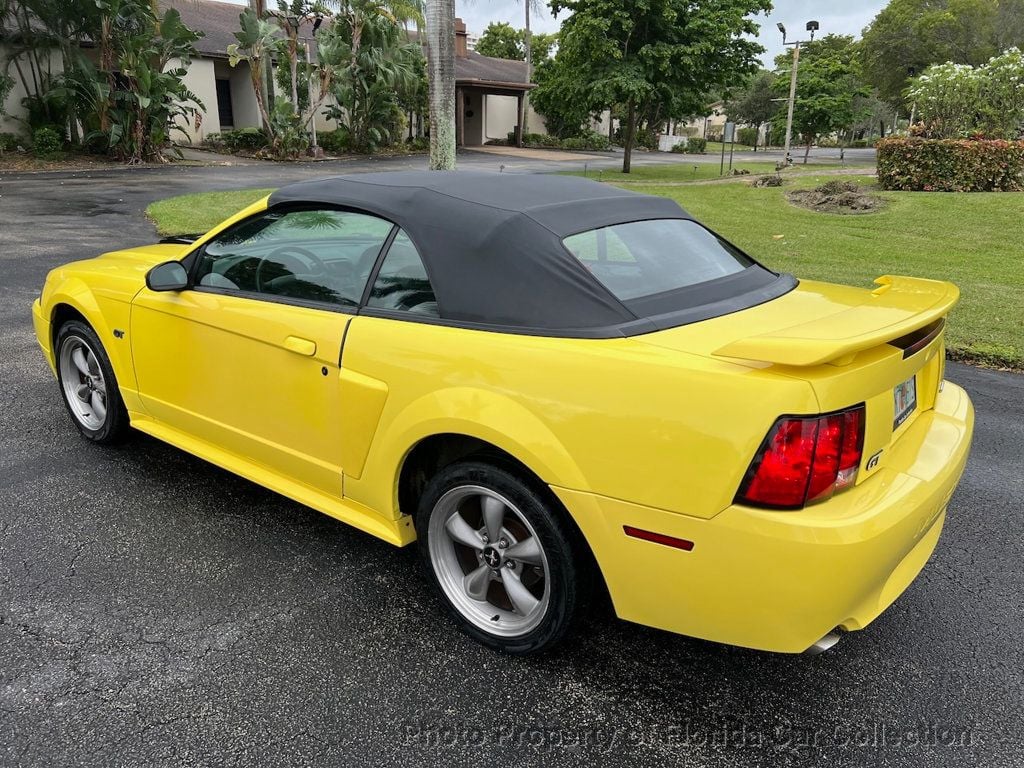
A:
(696, 145)
(951, 165)
(747, 137)
(240, 139)
(589, 140)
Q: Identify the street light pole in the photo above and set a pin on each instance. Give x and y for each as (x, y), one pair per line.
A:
(792, 101)
(812, 27)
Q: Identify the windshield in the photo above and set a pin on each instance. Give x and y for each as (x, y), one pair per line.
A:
(646, 258)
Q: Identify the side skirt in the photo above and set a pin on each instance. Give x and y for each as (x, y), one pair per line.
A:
(398, 532)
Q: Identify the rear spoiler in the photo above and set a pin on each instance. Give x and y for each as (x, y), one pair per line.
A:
(892, 312)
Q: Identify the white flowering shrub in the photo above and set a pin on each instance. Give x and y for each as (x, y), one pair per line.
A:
(958, 100)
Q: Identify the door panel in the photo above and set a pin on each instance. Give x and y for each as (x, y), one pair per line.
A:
(257, 378)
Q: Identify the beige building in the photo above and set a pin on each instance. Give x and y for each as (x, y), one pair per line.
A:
(488, 89)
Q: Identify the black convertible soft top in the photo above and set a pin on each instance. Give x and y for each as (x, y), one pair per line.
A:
(492, 247)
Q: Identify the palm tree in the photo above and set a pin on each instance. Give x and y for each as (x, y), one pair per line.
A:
(524, 103)
(440, 17)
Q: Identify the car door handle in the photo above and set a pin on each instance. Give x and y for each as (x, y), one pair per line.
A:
(300, 346)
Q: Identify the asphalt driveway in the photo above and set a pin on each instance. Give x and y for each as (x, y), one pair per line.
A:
(155, 610)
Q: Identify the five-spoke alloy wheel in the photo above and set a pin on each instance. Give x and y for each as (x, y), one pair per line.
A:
(500, 556)
(88, 384)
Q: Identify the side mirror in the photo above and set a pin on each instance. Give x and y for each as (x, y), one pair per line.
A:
(169, 276)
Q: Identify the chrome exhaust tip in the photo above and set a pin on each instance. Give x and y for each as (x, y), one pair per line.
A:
(823, 644)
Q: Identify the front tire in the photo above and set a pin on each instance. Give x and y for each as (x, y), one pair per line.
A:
(500, 556)
(88, 385)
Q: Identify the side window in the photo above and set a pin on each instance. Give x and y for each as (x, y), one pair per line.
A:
(402, 281)
(313, 255)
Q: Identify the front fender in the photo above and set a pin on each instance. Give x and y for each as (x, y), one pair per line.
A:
(104, 314)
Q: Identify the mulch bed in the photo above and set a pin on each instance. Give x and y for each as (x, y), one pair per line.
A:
(836, 197)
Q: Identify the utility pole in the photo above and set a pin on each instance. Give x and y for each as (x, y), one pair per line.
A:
(812, 27)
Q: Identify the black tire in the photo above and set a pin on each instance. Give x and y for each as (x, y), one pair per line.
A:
(114, 424)
(564, 562)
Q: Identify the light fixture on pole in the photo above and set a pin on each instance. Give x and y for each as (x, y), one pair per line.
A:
(812, 27)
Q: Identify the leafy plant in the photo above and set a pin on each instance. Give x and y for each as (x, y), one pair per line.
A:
(239, 139)
(335, 142)
(755, 104)
(47, 142)
(956, 100)
(747, 137)
(375, 65)
(591, 140)
(696, 145)
(9, 142)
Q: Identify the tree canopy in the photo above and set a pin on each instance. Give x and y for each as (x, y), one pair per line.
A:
(909, 35)
(756, 103)
(827, 91)
(658, 58)
(500, 40)
(503, 41)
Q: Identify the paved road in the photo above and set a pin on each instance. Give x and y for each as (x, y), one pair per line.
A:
(157, 611)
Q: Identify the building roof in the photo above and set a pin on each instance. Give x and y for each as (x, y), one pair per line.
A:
(219, 22)
(474, 68)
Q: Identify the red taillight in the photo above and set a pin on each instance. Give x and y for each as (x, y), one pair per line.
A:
(805, 459)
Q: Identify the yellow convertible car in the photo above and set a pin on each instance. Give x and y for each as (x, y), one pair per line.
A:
(563, 391)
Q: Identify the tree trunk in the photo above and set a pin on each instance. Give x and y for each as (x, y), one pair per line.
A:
(293, 64)
(524, 103)
(807, 149)
(440, 23)
(629, 135)
(264, 83)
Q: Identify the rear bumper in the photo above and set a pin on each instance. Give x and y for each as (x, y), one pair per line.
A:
(41, 324)
(779, 581)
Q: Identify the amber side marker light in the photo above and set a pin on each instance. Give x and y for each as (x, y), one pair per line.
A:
(658, 538)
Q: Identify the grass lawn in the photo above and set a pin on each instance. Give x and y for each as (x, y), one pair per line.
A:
(191, 214)
(972, 239)
(699, 171)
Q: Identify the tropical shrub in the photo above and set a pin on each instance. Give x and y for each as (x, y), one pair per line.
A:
(243, 139)
(47, 142)
(380, 76)
(951, 165)
(9, 142)
(747, 137)
(590, 140)
(958, 100)
(679, 148)
(335, 142)
(696, 145)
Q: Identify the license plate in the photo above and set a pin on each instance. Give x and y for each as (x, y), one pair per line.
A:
(904, 401)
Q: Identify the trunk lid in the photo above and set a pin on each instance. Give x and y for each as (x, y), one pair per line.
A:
(852, 345)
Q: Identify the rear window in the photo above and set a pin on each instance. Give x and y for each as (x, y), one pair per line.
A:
(647, 258)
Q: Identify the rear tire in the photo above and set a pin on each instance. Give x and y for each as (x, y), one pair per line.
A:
(88, 385)
(500, 556)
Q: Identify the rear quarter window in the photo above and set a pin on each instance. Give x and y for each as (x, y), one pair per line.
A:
(645, 258)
